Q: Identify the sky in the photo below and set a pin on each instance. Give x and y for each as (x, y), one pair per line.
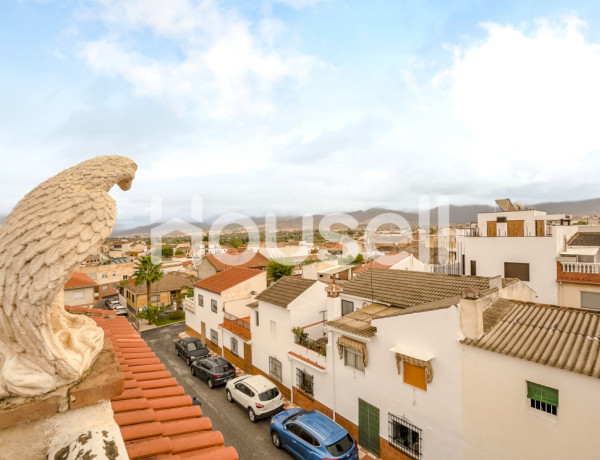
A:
(303, 106)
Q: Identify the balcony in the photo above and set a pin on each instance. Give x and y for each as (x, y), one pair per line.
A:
(243, 322)
(237, 326)
(580, 267)
(578, 272)
(189, 305)
(318, 345)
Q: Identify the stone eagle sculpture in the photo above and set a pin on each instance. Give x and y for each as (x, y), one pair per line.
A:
(42, 242)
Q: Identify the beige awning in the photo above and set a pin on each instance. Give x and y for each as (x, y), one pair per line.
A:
(355, 345)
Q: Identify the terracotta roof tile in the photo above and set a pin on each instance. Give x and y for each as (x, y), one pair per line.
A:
(79, 280)
(228, 453)
(141, 431)
(227, 279)
(247, 259)
(156, 418)
(189, 425)
(162, 392)
(178, 413)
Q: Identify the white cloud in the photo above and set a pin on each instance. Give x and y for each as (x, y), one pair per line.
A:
(529, 99)
(222, 61)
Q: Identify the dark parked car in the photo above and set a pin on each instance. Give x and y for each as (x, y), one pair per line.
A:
(215, 370)
(312, 435)
(190, 349)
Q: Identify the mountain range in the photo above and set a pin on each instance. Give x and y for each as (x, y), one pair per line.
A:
(458, 215)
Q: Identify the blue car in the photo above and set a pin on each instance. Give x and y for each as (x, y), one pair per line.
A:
(312, 436)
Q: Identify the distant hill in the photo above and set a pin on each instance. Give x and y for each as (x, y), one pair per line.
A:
(458, 215)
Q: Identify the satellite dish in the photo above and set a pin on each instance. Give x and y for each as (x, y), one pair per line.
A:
(366, 304)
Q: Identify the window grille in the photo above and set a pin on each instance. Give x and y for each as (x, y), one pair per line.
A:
(213, 305)
(275, 368)
(304, 381)
(543, 398)
(200, 300)
(214, 337)
(234, 346)
(405, 436)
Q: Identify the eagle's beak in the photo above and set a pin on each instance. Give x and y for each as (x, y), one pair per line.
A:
(125, 184)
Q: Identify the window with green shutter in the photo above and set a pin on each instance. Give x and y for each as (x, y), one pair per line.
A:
(542, 397)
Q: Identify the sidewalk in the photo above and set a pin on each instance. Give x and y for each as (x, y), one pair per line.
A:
(362, 453)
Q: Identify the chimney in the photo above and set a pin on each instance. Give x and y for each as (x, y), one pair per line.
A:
(496, 282)
(334, 302)
(471, 314)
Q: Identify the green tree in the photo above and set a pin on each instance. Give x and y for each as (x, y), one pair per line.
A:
(358, 259)
(237, 242)
(167, 252)
(178, 252)
(275, 270)
(151, 313)
(147, 272)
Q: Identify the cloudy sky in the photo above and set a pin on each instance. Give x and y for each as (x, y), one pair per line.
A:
(304, 106)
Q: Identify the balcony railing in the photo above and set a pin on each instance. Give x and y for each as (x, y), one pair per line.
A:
(188, 305)
(527, 232)
(580, 267)
(239, 321)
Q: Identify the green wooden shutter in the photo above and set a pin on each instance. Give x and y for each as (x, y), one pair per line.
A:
(368, 426)
(363, 422)
(542, 393)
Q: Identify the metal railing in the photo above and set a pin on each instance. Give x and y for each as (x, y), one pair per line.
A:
(234, 319)
(501, 233)
(580, 267)
(404, 436)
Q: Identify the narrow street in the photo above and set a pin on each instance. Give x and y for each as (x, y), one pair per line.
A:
(252, 441)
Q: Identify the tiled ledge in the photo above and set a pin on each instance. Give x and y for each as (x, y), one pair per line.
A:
(103, 381)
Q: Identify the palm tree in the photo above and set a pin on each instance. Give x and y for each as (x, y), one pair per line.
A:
(147, 272)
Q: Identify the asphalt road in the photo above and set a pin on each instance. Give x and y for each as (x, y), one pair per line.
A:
(251, 440)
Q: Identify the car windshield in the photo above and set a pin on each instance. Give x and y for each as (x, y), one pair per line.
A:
(341, 447)
(223, 368)
(269, 394)
(291, 418)
(193, 346)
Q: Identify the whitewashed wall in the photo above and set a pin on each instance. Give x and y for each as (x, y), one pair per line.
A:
(437, 410)
(539, 252)
(499, 423)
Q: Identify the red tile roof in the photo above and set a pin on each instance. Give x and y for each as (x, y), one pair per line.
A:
(227, 279)
(385, 261)
(247, 259)
(79, 280)
(156, 418)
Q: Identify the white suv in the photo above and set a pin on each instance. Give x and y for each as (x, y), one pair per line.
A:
(257, 394)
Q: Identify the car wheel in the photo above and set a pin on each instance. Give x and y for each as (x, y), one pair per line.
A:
(210, 383)
(189, 362)
(228, 395)
(177, 351)
(193, 372)
(276, 439)
(251, 415)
